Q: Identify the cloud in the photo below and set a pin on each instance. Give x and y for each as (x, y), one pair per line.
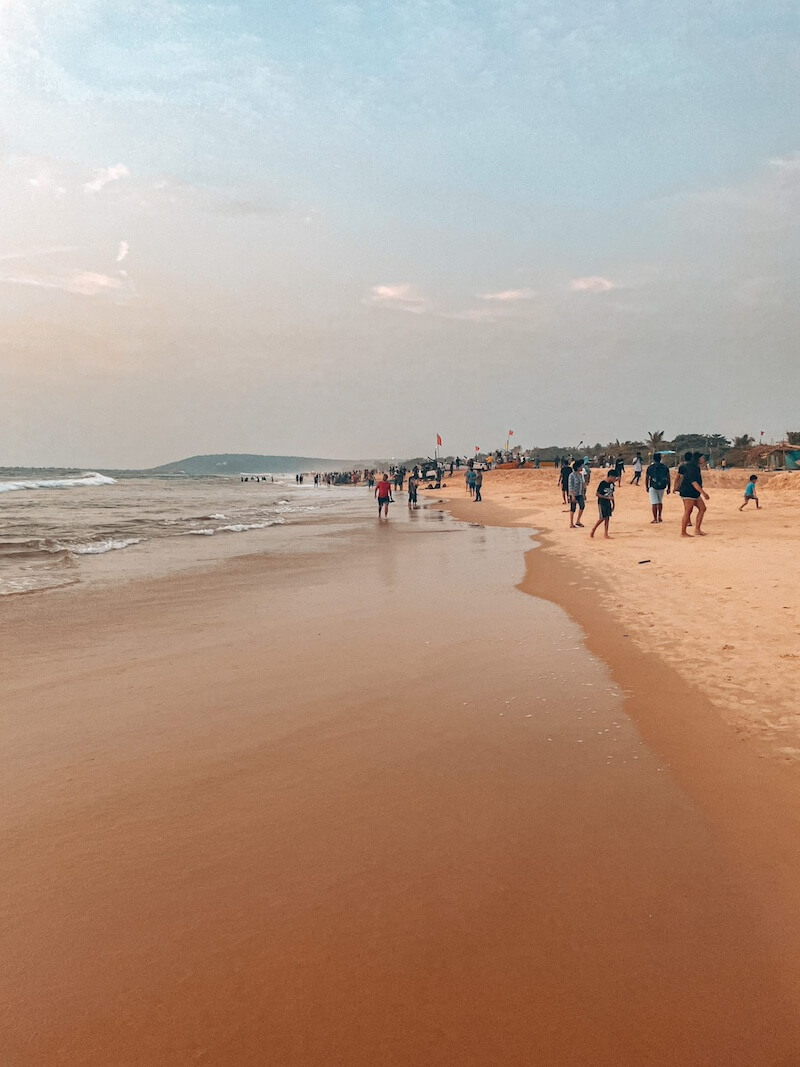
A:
(122, 251)
(45, 183)
(402, 297)
(790, 162)
(593, 284)
(34, 253)
(104, 175)
(510, 295)
(479, 315)
(80, 282)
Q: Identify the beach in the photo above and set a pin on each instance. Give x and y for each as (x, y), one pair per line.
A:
(386, 794)
(723, 612)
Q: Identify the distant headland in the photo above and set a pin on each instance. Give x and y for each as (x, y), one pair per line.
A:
(246, 463)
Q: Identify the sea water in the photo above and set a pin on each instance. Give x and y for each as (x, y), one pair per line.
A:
(55, 528)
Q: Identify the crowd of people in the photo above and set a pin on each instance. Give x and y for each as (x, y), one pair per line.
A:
(574, 479)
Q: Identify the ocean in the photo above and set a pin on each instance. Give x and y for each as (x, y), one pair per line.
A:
(59, 529)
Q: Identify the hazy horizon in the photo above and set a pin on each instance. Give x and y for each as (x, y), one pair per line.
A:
(341, 229)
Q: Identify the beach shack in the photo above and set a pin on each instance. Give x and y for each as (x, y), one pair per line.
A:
(775, 457)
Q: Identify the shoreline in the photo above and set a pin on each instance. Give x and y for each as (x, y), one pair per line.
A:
(724, 612)
(364, 804)
(751, 797)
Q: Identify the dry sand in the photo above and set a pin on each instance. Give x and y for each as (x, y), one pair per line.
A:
(723, 611)
(373, 806)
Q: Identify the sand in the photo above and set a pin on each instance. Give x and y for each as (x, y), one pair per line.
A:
(372, 805)
(723, 611)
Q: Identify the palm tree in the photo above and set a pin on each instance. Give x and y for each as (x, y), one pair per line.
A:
(655, 439)
(745, 441)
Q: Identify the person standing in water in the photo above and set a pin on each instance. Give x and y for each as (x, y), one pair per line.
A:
(383, 492)
(412, 490)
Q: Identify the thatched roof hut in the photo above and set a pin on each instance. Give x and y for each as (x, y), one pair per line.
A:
(775, 457)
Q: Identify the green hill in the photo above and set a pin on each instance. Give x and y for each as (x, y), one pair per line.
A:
(250, 464)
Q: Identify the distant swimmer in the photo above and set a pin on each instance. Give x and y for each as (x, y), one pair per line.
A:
(383, 492)
(750, 493)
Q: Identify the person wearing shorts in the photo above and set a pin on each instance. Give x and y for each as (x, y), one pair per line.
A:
(656, 482)
(689, 484)
(577, 494)
(750, 493)
(383, 491)
(605, 501)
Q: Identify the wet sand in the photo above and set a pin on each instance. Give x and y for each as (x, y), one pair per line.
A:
(723, 611)
(362, 805)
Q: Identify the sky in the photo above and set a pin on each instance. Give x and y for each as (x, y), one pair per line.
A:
(340, 228)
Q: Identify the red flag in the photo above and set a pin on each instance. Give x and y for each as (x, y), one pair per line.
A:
(438, 440)
(510, 433)
(477, 448)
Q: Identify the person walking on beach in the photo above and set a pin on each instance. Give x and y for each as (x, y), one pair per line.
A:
(750, 493)
(383, 491)
(470, 477)
(689, 484)
(637, 469)
(605, 501)
(412, 490)
(577, 494)
(478, 484)
(619, 468)
(656, 482)
(563, 479)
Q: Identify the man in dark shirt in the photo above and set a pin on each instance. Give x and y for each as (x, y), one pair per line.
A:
(689, 484)
(563, 479)
(605, 501)
(656, 482)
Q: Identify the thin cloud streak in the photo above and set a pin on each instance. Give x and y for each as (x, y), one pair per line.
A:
(81, 283)
(402, 297)
(508, 295)
(593, 284)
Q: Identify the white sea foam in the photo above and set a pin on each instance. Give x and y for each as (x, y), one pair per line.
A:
(240, 527)
(97, 548)
(91, 478)
(236, 527)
